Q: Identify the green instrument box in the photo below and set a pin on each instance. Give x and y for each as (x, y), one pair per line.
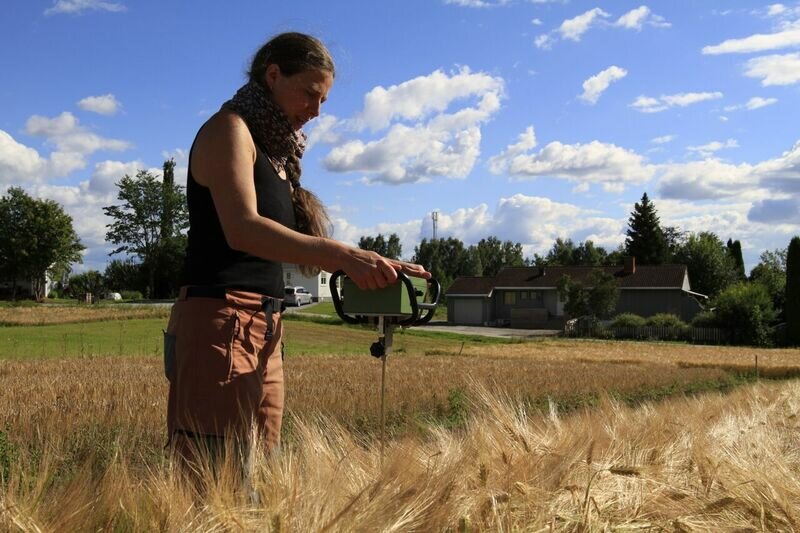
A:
(389, 301)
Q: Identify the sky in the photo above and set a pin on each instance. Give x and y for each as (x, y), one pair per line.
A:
(528, 120)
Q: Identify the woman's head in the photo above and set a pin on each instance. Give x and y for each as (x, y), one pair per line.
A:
(298, 70)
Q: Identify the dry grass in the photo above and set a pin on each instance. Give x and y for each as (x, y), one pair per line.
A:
(772, 362)
(712, 463)
(481, 442)
(70, 314)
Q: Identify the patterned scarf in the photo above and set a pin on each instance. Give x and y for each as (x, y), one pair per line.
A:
(268, 124)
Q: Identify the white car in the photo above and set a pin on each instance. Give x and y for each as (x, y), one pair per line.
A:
(296, 296)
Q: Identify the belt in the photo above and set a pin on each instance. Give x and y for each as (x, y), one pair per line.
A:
(269, 304)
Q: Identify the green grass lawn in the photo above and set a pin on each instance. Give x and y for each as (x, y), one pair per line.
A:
(326, 308)
(304, 336)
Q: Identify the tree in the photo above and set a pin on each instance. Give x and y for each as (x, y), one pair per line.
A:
(125, 275)
(746, 310)
(495, 254)
(646, 241)
(710, 266)
(674, 238)
(37, 241)
(390, 248)
(561, 253)
(793, 292)
(90, 281)
(151, 213)
(444, 258)
(735, 251)
(598, 299)
(771, 272)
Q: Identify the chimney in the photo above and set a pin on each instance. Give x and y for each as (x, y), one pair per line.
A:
(542, 271)
(630, 265)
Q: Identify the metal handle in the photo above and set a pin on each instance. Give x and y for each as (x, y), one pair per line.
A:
(414, 320)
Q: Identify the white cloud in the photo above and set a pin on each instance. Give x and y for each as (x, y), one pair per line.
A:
(533, 221)
(595, 162)
(544, 41)
(69, 136)
(438, 144)
(79, 6)
(323, 130)
(756, 43)
(775, 9)
(597, 84)
(536, 22)
(784, 210)
(754, 103)
(418, 98)
(775, 69)
(525, 142)
(477, 3)
(757, 102)
(574, 28)
(636, 18)
(664, 139)
(19, 163)
(710, 148)
(707, 179)
(106, 104)
(648, 104)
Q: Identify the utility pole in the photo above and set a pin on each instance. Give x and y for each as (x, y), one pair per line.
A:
(435, 218)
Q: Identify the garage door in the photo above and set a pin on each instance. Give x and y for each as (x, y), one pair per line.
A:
(468, 311)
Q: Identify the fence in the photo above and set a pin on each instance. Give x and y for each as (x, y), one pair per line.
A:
(688, 334)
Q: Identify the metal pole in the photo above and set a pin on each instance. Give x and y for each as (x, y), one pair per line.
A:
(383, 405)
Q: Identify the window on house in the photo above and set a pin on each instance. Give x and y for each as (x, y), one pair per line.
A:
(323, 280)
(523, 295)
(510, 298)
(288, 276)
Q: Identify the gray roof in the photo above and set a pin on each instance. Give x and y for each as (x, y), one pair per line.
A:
(644, 276)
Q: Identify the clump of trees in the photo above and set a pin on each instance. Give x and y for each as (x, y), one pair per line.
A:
(596, 298)
(149, 224)
(37, 241)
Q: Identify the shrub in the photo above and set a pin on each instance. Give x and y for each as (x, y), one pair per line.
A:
(628, 320)
(53, 295)
(746, 309)
(705, 319)
(666, 320)
(131, 295)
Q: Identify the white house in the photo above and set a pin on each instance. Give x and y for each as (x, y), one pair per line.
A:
(316, 285)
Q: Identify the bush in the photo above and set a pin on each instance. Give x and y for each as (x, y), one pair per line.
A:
(746, 310)
(705, 319)
(53, 295)
(131, 295)
(665, 320)
(628, 320)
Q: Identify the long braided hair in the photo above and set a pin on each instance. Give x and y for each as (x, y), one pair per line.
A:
(293, 53)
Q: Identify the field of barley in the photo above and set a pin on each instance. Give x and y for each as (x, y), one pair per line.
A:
(549, 435)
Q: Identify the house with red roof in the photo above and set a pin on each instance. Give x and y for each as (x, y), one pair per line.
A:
(527, 297)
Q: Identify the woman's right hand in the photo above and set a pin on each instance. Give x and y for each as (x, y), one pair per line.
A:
(369, 270)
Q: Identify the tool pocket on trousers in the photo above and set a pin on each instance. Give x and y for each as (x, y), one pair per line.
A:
(169, 355)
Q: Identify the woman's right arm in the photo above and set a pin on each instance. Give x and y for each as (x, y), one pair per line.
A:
(222, 160)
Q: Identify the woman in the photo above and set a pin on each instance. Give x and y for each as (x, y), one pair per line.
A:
(248, 214)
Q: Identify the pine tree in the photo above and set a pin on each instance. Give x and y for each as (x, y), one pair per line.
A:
(793, 292)
(735, 251)
(646, 241)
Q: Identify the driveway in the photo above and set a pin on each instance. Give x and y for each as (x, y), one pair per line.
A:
(490, 332)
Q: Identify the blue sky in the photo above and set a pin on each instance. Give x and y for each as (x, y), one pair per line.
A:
(524, 119)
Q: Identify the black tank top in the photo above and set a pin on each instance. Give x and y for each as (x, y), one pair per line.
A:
(209, 259)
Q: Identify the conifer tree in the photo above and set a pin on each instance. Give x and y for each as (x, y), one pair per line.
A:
(735, 251)
(646, 241)
(793, 292)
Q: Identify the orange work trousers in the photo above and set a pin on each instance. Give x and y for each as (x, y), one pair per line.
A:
(225, 370)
